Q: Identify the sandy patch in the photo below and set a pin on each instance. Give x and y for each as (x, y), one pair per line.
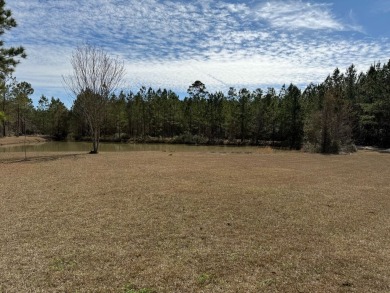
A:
(15, 140)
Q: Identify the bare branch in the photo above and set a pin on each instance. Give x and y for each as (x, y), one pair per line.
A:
(96, 75)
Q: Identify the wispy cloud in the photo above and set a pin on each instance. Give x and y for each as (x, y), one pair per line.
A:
(172, 43)
(381, 6)
(298, 15)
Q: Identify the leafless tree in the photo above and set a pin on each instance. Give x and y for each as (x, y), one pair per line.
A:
(96, 75)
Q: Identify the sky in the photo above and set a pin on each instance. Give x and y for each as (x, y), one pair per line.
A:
(223, 43)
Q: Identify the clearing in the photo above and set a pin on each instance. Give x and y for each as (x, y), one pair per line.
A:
(195, 222)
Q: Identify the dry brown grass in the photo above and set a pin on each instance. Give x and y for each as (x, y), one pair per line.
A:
(195, 222)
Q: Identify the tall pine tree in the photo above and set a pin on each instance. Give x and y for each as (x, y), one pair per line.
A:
(9, 57)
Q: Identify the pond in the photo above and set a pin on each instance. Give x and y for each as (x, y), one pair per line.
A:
(54, 146)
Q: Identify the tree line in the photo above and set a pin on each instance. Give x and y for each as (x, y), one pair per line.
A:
(346, 108)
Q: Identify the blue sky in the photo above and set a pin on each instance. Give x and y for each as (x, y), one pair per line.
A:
(223, 43)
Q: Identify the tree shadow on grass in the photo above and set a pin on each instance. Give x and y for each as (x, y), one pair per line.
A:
(38, 159)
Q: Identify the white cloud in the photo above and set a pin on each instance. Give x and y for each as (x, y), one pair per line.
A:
(302, 65)
(172, 43)
(298, 15)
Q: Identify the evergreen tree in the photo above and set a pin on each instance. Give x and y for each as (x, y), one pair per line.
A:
(215, 116)
(328, 127)
(244, 101)
(6, 88)
(231, 112)
(271, 116)
(42, 115)
(8, 56)
(292, 118)
(196, 108)
(23, 105)
(58, 119)
(257, 109)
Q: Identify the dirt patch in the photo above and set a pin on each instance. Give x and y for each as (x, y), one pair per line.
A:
(16, 140)
(196, 222)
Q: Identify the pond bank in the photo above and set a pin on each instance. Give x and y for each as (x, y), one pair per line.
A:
(17, 140)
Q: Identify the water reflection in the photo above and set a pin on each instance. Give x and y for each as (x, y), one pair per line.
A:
(119, 147)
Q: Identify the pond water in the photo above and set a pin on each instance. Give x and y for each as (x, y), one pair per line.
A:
(54, 146)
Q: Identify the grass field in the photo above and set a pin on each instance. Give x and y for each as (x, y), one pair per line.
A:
(195, 222)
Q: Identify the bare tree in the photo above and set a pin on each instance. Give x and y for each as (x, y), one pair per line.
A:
(96, 75)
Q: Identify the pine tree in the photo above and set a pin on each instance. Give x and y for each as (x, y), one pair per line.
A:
(8, 56)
